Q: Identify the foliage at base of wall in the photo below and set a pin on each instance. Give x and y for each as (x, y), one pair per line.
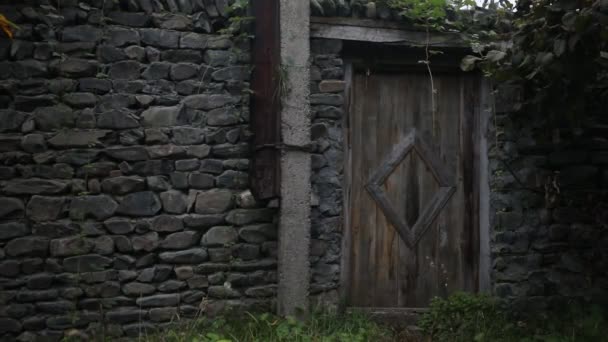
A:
(466, 317)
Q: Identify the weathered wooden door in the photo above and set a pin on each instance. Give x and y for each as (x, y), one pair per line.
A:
(412, 217)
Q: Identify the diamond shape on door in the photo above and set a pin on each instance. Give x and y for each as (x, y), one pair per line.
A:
(413, 142)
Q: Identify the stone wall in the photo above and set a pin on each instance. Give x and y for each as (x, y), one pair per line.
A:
(549, 207)
(123, 169)
(327, 104)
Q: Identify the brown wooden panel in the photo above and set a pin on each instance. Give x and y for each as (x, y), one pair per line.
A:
(411, 210)
(264, 173)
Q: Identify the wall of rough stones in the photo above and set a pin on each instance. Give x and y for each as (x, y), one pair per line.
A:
(327, 105)
(549, 206)
(123, 169)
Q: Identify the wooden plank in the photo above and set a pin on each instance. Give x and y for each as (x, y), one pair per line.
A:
(345, 260)
(385, 35)
(264, 172)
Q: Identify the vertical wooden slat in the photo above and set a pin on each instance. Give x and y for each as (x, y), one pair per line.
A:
(264, 173)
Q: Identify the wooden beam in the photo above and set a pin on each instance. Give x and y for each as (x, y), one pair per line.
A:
(367, 30)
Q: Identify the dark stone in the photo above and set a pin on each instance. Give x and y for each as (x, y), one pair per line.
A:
(135, 153)
(125, 70)
(100, 207)
(233, 180)
(160, 38)
(130, 18)
(119, 226)
(153, 167)
(258, 233)
(187, 165)
(198, 180)
(202, 222)
(9, 268)
(27, 246)
(180, 240)
(182, 56)
(70, 246)
(144, 203)
(242, 217)
(183, 71)
(147, 242)
(157, 71)
(189, 256)
(165, 151)
(11, 120)
(117, 119)
(103, 245)
(326, 99)
(9, 325)
(171, 286)
(220, 236)
(159, 300)
(120, 37)
(161, 116)
(94, 85)
(84, 139)
(11, 230)
(123, 185)
(214, 201)
(126, 315)
(212, 166)
(239, 73)
(49, 118)
(11, 207)
(223, 117)
(138, 289)
(209, 101)
(223, 292)
(166, 223)
(55, 229)
(199, 151)
(86, 263)
(174, 202)
(75, 67)
(188, 136)
(219, 58)
(33, 143)
(231, 151)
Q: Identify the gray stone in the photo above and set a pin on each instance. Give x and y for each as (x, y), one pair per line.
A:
(135, 153)
(12, 230)
(9, 268)
(245, 251)
(182, 272)
(233, 180)
(160, 38)
(158, 183)
(81, 33)
(165, 223)
(264, 291)
(258, 233)
(242, 217)
(239, 73)
(132, 19)
(124, 70)
(9, 325)
(220, 254)
(179, 180)
(135, 52)
(188, 136)
(198, 180)
(174, 202)
(187, 165)
(126, 315)
(27, 246)
(11, 120)
(219, 57)
(213, 166)
(56, 229)
(157, 71)
(158, 300)
(86, 263)
(94, 85)
(103, 245)
(147, 242)
(85, 139)
(122, 185)
(200, 151)
(33, 143)
(171, 286)
(155, 136)
(163, 314)
(194, 41)
(144, 203)
(75, 67)
(11, 207)
(189, 256)
(231, 151)
(117, 119)
(161, 116)
(222, 292)
(80, 100)
(138, 289)
(70, 246)
(54, 117)
(214, 201)
(180, 240)
(223, 117)
(209, 101)
(165, 151)
(326, 99)
(220, 236)
(120, 37)
(183, 71)
(100, 207)
(202, 221)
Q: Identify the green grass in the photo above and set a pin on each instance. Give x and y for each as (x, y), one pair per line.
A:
(269, 328)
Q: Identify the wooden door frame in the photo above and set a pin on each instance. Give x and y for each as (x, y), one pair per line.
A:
(480, 169)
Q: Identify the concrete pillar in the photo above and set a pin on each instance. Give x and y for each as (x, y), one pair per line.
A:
(294, 218)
